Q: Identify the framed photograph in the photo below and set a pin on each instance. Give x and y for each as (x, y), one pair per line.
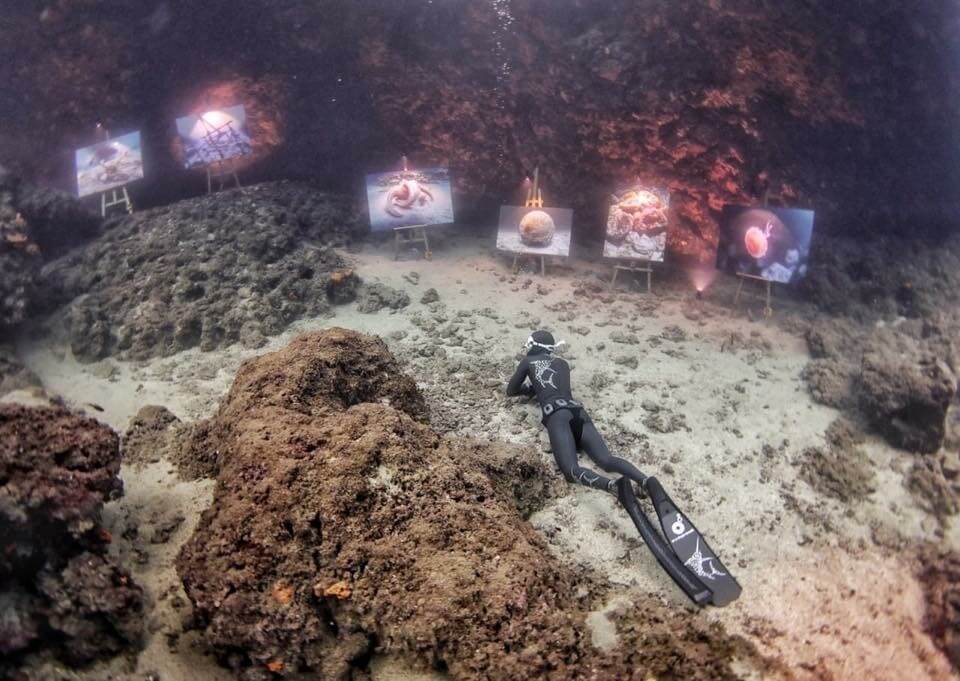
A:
(109, 164)
(769, 243)
(535, 231)
(408, 198)
(214, 136)
(637, 224)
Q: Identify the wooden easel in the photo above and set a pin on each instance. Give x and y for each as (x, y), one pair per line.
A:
(767, 310)
(534, 200)
(121, 199)
(414, 234)
(636, 267)
(216, 171)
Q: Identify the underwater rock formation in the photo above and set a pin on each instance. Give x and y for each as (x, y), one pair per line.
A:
(343, 526)
(236, 266)
(940, 576)
(60, 593)
(901, 377)
(35, 225)
(906, 390)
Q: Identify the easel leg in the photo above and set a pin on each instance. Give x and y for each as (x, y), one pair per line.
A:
(396, 244)
(516, 263)
(543, 265)
(649, 276)
(768, 310)
(427, 253)
(613, 281)
(126, 198)
(736, 298)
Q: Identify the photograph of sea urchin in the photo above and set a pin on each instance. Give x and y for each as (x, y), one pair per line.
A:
(535, 231)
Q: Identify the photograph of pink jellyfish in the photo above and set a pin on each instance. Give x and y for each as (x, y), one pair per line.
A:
(769, 243)
(407, 198)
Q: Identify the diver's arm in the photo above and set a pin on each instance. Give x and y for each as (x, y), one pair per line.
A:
(516, 384)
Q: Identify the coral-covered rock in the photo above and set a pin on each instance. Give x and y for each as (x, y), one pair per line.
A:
(58, 221)
(59, 590)
(232, 267)
(343, 525)
(940, 576)
(901, 378)
(905, 391)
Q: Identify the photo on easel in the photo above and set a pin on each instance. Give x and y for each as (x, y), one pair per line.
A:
(535, 231)
(407, 198)
(214, 136)
(637, 224)
(109, 164)
(767, 243)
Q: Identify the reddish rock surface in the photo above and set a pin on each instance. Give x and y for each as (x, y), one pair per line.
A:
(343, 526)
(940, 576)
(718, 100)
(60, 593)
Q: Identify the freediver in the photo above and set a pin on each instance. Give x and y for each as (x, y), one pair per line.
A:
(681, 550)
(567, 422)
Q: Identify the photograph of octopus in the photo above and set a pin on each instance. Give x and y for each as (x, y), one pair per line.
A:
(637, 224)
(770, 243)
(535, 231)
(109, 164)
(214, 136)
(406, 198)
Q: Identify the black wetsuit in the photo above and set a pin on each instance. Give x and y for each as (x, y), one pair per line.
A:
(568, 425)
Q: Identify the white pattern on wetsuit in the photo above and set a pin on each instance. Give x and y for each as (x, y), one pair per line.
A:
(541, 368)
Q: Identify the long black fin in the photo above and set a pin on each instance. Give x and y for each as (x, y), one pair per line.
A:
(684, 578)
(691, 548)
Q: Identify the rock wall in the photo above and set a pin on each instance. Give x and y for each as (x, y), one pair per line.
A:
(717, 99)
(343, 526)
(60, 593)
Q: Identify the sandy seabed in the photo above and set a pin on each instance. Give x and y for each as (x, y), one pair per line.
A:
(721, 424)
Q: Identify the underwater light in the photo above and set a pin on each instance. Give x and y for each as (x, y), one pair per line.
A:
(701, 278)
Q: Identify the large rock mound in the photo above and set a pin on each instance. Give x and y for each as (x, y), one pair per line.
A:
(900, 378)
(60, 593)
(232, 267)
(344, 526)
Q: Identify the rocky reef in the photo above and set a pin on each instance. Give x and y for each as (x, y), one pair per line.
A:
(232, 267)
(343, 526)
(61, 594)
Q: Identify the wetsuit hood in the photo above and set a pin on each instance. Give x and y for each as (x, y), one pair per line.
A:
(541, 342)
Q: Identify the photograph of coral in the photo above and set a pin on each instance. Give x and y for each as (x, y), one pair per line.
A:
(770, 243)
(214, 136)
(535, 231)
(109, 164)
(405, 198)
(637, 224)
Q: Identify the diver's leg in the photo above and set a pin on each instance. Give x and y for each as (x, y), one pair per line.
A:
(564, 446)
(593, 445)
